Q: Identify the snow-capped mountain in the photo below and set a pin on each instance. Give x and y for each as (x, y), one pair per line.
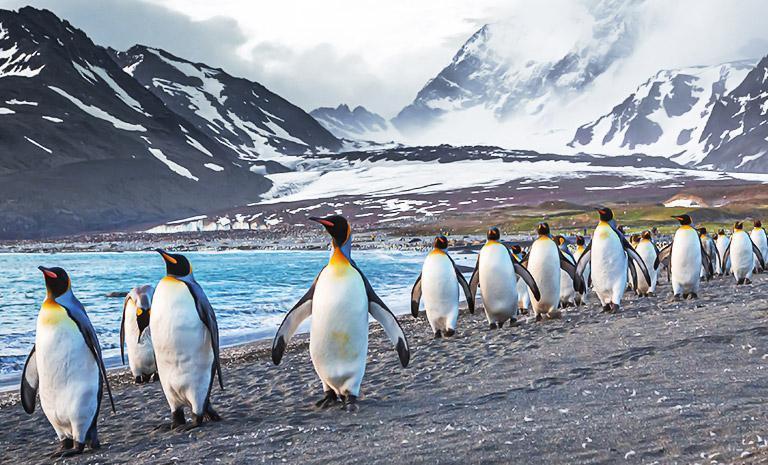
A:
(666, 115)
(501, 68)
(736, 134)
(85, 146)
(237, 113)
(357, 124)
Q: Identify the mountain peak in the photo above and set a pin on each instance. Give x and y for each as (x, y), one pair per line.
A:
(357, 124)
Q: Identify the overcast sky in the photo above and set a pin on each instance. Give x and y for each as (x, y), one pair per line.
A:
(380, 53)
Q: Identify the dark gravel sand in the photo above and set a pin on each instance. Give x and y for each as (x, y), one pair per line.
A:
(661, 382)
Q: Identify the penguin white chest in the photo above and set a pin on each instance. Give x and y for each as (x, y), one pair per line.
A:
(141, 355)
(498, 284)
(742, 257)
(648, 253)
(544, 266)
(182, 344)
(608, 265)
(686, 260)
(440, 290)
(338, 343)
(68, 374)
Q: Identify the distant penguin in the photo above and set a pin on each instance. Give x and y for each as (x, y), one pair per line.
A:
(544, 262)
(581, 297)
(686, 256)
(135, 330)
(339, 302)
(185, 336)
(761, 241)
(567, 291)
(742, 253)
(438, 284)
(648, 251)
(66, 367)
(523, 298)
(609, 254)
(722, 242)
(496, 273)
(710, 249)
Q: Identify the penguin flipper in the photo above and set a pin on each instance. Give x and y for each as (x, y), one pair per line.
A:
(29, 383)
(656, 262)
(464, 286)
(726, 256)
(706, 262)
(758, 254)
(122, 329)
(632, 255)
(633, 272)
(379, 310)
(584, 260)
(568, 266)
(295, 316)
(474, 280)
(208, 317)
(416, 297)
(523, 272)
(77, 313)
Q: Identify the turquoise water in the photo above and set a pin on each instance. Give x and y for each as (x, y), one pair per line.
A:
(250, 290)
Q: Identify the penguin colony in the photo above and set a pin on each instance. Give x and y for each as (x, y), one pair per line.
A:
(172, 336)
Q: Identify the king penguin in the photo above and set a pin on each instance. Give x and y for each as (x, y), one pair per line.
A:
(66, 367)
(649, 253)
(523, 297)
(496, 274)
(608, 255)
(722, 242)
(761, 241)
(581, 297)
(185, 336)
(339, 301)
(438, 284)
(710, 249)
(544, 262)
(135, 325)
(741, 254)
(567, 292)
(686, 257)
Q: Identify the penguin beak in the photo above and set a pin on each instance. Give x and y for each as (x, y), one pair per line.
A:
(166, 257)
(324, 222)
(48, 273)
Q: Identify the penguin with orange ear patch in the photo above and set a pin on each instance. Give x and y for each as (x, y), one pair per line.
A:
(66, 367)
(438, 284)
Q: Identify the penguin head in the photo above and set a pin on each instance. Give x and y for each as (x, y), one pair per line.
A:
(56, 280)
(702, 231)
(337, 226)
(684, 220)
(606, 214)
(646, 235)
(738, 226)
(634, 239)
(516, 249)
(175, 264)
(580, 241)
(441, 242)
(758, 224)
(493, 233)
(142, 298)
(542, 229)
(560, 240)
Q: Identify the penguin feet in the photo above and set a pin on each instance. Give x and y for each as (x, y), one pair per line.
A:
(693, 295)
(197, 421)
(156, 377)
(76, 450)
(501, 324)
(538, 317)
(330, 399)
(350, 404)
(676, 297)
(613, 308)
(210, 414)
(450, 332)
(64, 446)
(146, 378)
(138, 380)
(178, 418)
(94, 444)
(493, 325)
(523, 311)
(606, 308)
(513, 322)
(747, 281)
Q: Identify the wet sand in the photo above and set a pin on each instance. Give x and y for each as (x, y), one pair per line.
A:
(660, 382)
